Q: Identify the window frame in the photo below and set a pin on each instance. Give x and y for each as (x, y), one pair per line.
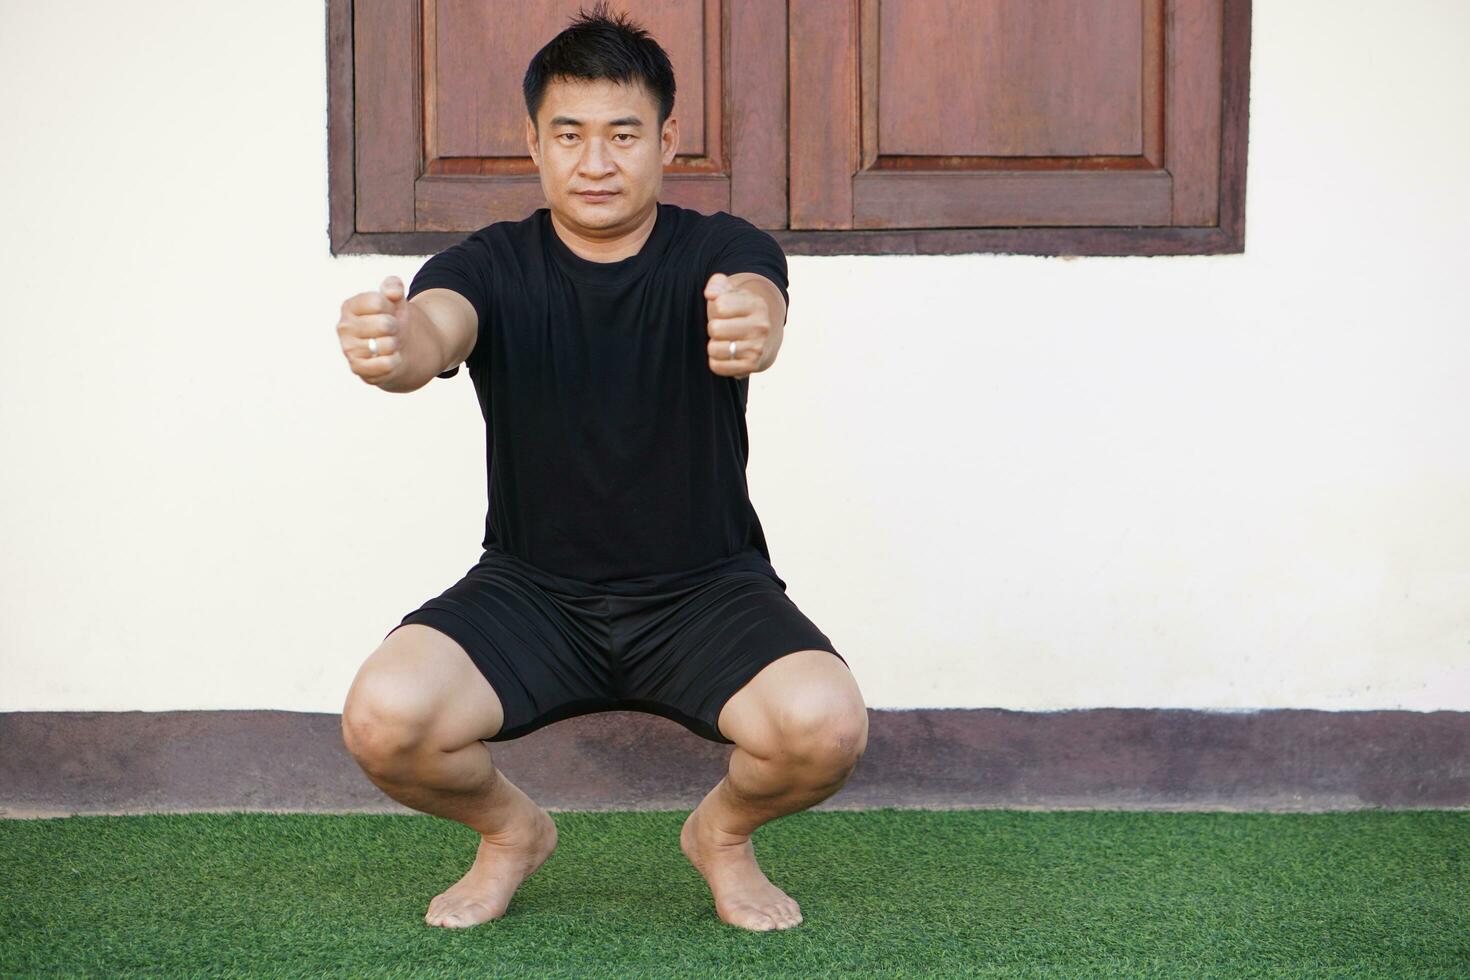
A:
(1228, 236)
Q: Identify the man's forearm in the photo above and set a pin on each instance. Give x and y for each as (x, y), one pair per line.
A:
(757, 283)
(773, 345)
(422, 350)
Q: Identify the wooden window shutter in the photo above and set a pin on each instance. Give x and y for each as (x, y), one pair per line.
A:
(432, 110)
(1045, 126)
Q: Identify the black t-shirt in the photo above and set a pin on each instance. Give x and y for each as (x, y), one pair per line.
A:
(613, 452)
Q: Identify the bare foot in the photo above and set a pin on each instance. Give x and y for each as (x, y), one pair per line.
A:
(502, 862)
(744, 896)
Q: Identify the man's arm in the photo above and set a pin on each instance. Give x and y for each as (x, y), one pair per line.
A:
(757, 283)
(456, 321)
(441, 332)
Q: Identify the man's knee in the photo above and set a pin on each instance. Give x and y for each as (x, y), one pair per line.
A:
(387, 721)
(825, 733)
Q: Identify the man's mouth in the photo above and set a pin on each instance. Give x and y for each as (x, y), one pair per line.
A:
(596, 196)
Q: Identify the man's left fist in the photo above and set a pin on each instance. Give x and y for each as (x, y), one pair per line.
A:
(739, 315)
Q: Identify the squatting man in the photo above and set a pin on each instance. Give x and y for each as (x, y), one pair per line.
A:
(610, 338)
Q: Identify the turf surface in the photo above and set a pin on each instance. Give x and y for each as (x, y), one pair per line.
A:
(889, 892)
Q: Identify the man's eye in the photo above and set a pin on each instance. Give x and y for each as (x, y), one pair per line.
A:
(630, 136)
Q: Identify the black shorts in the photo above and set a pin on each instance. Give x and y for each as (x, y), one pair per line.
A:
(673, 645)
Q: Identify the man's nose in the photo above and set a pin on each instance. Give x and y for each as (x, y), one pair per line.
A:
(595, 160)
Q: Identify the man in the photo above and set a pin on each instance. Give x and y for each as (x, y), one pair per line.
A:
(610, 340)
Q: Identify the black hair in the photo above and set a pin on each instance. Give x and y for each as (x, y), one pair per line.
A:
(595, 46)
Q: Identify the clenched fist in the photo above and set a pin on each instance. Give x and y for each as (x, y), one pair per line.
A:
(738, 317)
(372, 329)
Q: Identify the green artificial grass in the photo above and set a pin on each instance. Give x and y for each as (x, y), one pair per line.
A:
(891, 892)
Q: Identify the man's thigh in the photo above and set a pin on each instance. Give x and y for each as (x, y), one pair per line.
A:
(544, 655)
(423, 682)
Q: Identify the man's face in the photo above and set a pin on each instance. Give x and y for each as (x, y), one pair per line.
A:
(600, 135)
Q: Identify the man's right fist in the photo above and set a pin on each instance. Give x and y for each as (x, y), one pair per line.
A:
(375, 321)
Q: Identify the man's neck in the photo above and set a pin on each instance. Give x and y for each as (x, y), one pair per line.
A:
(610, 248)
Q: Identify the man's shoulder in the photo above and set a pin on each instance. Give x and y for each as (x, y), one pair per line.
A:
(709, 231)
(509, 230)
(708, 221)
(502, 245)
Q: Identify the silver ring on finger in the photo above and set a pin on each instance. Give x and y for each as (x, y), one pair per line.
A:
(373, 346)
(732, 350)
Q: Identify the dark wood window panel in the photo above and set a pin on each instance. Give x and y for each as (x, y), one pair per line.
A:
(1047, 127)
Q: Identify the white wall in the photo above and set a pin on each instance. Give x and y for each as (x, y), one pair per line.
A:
(1219, 482)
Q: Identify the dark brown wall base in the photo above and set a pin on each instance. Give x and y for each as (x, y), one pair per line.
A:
(65, 762)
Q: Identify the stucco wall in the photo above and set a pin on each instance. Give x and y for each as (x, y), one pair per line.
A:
(1227, 482)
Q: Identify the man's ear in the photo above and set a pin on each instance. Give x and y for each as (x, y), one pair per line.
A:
(671, 140)
(532, 144)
